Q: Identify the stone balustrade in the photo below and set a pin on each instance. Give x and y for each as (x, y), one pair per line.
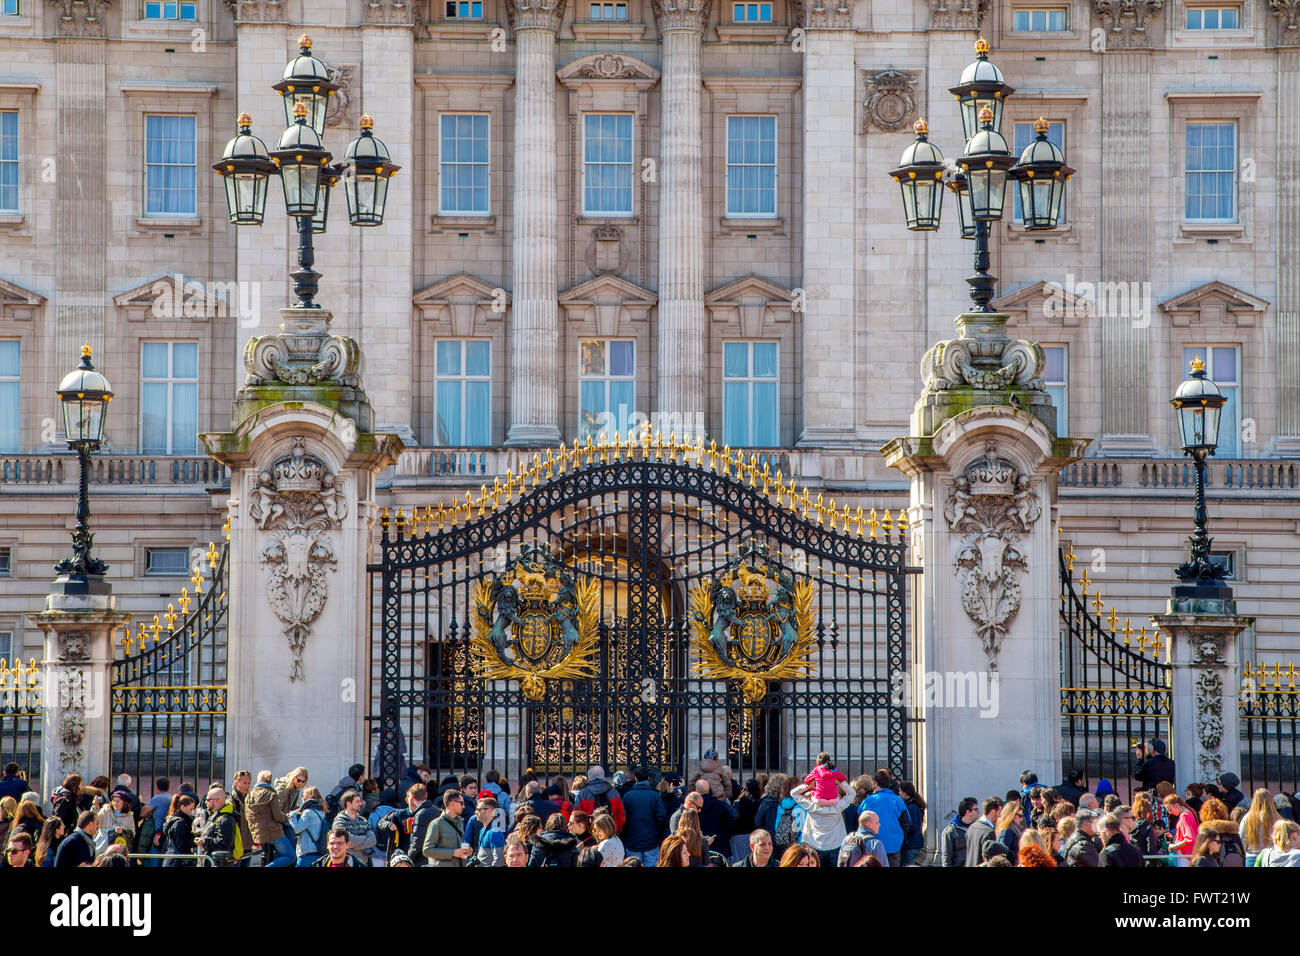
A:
(61, 469)
(1153, 474)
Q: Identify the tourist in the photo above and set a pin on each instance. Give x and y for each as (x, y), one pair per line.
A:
(768, 804)
(411, 825)
(824, 780)
(266, 820)
(310, 828)
(78, 848)
(823, 828)
(289, 787)
(982, 832)
(220, 837)
(760, 851)
(1116, 849)
(1257, 825)
(952, 841)
(1011, 823)
(444, 842)
(1152, 766)
(673, 852)
(349, 781)
(1083, 848)
(889, 808)
(1073, 787)
(1147, 835)
(688, 828)
(1185, 827)
(19, 854)
(863, 842)
(492, 784)
(554, 845)
(1205, 851)
(580, 826)
(361, 836)
(611, 847)
(47, 847)
(337, 850)
(516, 853)
(1214, 813)
(1032, 851)
(1231, 796)
(646, 819)
(28, 820)
(914, 842)
(751, 796)
(178, 832)
(801, 855)
(65, 801)
(1284, 849)
(599, 792)
(590, 856)
(1194, 796)
(14, 782)
(115, 822)
(788, 825)
(485, 832)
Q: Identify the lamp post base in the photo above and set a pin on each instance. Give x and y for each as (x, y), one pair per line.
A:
(80, 592)
(1204, 597)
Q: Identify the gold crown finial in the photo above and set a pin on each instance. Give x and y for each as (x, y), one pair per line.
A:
(921, 127)
(982, 46)
(304, 43)
(85, 350)
(986, 115)
(300, 110)
(1198, 364)
(367, 121)
(244, 121)
(1041, 126)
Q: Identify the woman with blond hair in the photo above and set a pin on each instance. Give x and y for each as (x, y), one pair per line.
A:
(673, 852)
(688, 828)
(8, 814)
(610, 846)
(800, 855)
(1185, 827)
(288, 789)
(1258, 823)
(1285, 850)
(1011, 823)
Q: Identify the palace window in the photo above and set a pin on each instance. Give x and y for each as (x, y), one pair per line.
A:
(1056, 378)
(170, 170)
(1225, 560)
(1039, 20)
(6, 562)
(606, 387)
(751, 414)
(171, 11)
(9, 161)
(464, 164)
(167, 562)
(1024, 135)
(464, 10)
(169, 398)
(463, 392)
(607, 11)
(9, 8)
(751, 166)
(10, 387)
(1211, 172)
(1223, 367)
(1214, 18)
(607, 173)
(751, 12)
(7, 648)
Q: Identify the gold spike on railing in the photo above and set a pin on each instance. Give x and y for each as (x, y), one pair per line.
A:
(170, 617)
(1069, 559)
(196, 579)
(1290, 676)
(857, 520)
(873, 523)
(1097, 604)
(442, 515)
(887, 524)
(383, 521)
(1127, 631)
(155, 628)
(184, 602)
(1112, 619)
(212, 555)
(901, 524)
(1084, 583)
(226, 527)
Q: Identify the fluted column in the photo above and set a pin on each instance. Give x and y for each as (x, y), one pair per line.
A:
(534, 334)
(681, 212)
(1287, 25)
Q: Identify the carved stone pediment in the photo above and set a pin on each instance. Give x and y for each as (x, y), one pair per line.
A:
(753, 301)
(459, 301)
(607, 299)
(1045, 302)
(18, 303)
(613, 67)
(1212, 304)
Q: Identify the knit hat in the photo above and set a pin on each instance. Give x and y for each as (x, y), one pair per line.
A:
(1103, 788)
(485, 795)
(554, 790)
(1228, 779)
(399, 859)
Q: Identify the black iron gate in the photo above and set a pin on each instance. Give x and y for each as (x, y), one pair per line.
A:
(637, 605)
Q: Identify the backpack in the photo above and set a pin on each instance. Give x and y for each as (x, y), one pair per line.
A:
(854, 841)
(599, 799)
(787, 830)
(322, 838)
(332, 808)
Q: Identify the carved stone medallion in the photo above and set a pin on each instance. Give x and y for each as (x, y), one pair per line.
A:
(891, 100)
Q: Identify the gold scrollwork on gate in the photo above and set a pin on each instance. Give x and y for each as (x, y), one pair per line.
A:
(753, 623)
(535, 621)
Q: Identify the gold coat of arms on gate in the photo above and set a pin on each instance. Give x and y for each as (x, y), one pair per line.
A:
(753, 623)
(535, 621)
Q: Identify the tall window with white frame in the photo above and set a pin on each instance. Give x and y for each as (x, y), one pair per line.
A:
(464, 164)
(751, 394)
(1056, 376)
(8, 161)
(11, 351)
(1211, 179)
(751, 166)
(1214, 17)
(169, 398)
(607, 167)
(9, 8)
(170, 11)
(1024, 135)
(606, 387)
(463, 392)
(170, 170)
(1223, 368)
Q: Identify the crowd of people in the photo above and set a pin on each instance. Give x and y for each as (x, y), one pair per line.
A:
(636, 819)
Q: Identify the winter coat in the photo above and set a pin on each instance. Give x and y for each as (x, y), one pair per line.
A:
(600, 792)
(266, 818)
(716, 817)
(978, 835)
(344, 785)
(444, 836)
(1069, 793)
(1010, 838)
(13, 786)
(765, 815)
(1082, 850)
(1232, 852)
(220, 834)
(749, 861)
(64, 806)
(77, 848)
(861, 842)
(1119, 852)
(553, 848)
(412, 828)
(308, 823)
(1144, 838)
(646, 818)
(1151, 771)
(888, 806)
(718, 774)
(952, 843)
(746, 807)
(915, 840)
(108, 821)
(348, 860)
(288, 797)
(178, 839)
(409, 780)
(1231, 798)
(823, 829)
(241, 817)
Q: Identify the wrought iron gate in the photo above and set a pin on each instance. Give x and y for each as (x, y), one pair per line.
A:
(662, 599)
(169, 687)
(1115, 688)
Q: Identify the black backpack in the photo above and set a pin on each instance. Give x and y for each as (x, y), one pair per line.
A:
(332, 808)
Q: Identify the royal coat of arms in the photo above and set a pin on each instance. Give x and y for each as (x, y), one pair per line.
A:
(534, 622)
(753, 623)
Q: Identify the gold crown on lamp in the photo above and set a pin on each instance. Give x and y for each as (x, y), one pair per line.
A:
(85, 350)
(986, 115)
(1197, 364)
(300, 110)
(304, 42)
(1041, 125)
(921, 128)
(367, 121)
(981, 45)
(298, 473)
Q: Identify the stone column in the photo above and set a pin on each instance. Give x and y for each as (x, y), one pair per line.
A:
(830, 109)
(534, 331)
(1287, 25)
(986, 661)
(1125, 223)
(1202, 638)
(303, 461)
(681, 326)
(76, 687)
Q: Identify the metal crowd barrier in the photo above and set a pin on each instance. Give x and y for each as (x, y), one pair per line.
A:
(197, 857)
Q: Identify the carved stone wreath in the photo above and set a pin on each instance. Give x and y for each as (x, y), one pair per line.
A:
(608, 66)
(338, 112)
(1209, 722)
(993, 506)
(891, 100)
(297, 498)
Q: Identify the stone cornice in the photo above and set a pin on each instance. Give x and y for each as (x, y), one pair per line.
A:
(822, 14)
(396, 13)
(81, 18)
(1288, 21)
(535, 14)
(257, 11)
(957, 14)
(1126, 21)
(682, 14)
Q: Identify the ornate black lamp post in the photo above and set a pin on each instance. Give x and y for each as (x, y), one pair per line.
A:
(1199, 404)
(303, 165)
(983, 169)
(84, 395)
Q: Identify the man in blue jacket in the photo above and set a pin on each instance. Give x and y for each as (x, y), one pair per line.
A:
(889, 807)
(645, 819)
